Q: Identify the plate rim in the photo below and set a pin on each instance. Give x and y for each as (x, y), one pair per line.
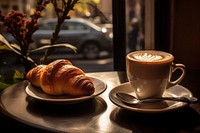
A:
(142, 110)
(68, 100)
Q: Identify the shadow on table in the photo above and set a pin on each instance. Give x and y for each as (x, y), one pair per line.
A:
(88, 108)
(70, 117)
(184, 120)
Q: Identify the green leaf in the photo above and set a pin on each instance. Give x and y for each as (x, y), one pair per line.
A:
(2, 39)
(18, 75)
(15, 48)
(55, 45)
(4, 47)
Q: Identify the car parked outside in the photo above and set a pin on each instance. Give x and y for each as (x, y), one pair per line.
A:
(89, 38)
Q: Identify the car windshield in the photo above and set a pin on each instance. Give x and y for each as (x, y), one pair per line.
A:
(47, 26)
(94, 26)
(74, 24)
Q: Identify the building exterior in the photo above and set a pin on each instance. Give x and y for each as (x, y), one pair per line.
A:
(25, 6)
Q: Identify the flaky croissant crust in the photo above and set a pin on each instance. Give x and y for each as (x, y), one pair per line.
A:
(61, 77)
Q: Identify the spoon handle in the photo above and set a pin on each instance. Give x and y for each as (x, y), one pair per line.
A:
(182, 99)
(130, 99)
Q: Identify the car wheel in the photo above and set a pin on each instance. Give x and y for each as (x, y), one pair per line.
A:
(91, 50)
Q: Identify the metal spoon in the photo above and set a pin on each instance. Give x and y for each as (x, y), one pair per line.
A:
(129, 99)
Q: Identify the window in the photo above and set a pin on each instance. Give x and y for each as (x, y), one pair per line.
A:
(123, 13)
(47, 26)
(97, 47)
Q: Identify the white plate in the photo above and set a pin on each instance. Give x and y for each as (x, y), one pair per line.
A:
(164, 106)
(37, 93)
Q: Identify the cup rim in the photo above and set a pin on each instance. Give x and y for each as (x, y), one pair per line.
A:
(166, 60)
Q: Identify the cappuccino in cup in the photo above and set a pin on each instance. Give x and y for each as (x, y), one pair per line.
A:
(149, 72)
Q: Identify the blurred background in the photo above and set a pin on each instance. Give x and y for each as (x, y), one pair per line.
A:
(86, 29)
(167, 25)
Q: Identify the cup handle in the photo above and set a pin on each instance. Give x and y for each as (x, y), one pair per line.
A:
(178, 80)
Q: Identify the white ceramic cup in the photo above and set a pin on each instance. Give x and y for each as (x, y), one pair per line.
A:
(149, 72)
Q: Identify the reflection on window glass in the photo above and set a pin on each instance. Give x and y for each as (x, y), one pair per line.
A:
(47, 26)
(135, 24)
(73, 26)
(92, 36)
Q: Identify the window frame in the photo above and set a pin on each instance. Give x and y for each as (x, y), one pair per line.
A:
(159, 40)
(119, 35)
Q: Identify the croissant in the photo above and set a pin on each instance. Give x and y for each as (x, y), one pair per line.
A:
(60, 77)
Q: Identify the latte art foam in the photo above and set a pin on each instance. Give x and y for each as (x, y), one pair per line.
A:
(147, 57)
(150, 56)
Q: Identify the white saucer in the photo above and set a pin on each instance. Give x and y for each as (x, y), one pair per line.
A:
(37, 93)
(164, 106)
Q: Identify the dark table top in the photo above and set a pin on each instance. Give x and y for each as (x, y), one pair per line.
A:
(20, 112)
